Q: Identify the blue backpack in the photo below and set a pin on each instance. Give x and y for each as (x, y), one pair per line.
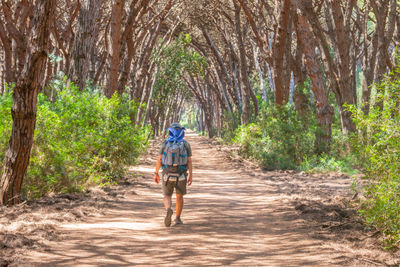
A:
(174, 158)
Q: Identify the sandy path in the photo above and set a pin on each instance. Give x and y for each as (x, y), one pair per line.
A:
(230, 217)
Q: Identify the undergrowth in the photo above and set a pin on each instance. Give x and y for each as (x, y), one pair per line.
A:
(378, 146)
(81, 139)
(280, 139)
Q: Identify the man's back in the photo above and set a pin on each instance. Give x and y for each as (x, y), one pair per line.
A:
(186, 144)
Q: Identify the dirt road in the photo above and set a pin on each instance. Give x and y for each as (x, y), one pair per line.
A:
(233, 215)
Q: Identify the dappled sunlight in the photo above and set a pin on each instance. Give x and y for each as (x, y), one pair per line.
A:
(142, 169)
(112, 225)
(210, 173)
(231, 217)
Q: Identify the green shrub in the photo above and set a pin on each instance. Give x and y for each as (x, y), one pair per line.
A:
(378, 145)
(229, 123)
(329, 163)
(381, 209)
(80, 139)
(5, 123)
(278, 139)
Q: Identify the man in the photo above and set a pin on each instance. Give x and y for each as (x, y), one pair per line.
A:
(176, 160)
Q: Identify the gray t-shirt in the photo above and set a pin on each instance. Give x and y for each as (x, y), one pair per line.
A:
(186, 144)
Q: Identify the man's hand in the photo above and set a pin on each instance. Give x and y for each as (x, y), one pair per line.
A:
(158, 166)
(189, 181)
(156, 178)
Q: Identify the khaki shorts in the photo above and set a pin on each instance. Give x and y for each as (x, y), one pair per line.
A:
(168, 187)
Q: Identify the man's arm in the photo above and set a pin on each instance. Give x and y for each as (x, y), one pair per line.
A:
(158, 166)
(190, 167)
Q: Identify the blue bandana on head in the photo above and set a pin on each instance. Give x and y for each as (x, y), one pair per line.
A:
(176, 134)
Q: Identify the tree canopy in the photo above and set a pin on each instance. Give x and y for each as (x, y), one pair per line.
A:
(294, 75)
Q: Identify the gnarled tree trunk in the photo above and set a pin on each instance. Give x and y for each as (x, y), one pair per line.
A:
(307, 42)
(246, 108)
(278, 55)
(84, 42)
(24, 105)
(116, 27)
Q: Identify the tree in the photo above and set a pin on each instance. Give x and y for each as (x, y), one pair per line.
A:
(307, 43)
(245, 116)
(116, 26)
(180, 71)
(273, 36)
(84, 42)
(25, 93)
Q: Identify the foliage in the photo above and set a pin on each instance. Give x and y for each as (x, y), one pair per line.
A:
(174, 60)
(80, 139)
(378, 145)
(339, 159)
(5, 122)
(278, 140)
(281, 139)
(328, 163)
(189, 117)
(229, 126)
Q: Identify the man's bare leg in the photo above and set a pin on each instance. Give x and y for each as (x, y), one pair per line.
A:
(179, 205)
(167, 205)
(167, 202)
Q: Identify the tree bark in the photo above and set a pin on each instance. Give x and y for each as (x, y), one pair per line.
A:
(24, 105)
(307, 42)
(385, 16)
(278, 55)
(64, 35)
(222, 78)
(260, 74)
(84, 42)
(300, 99)
(347, 90)
(369, 62)
(9, 75)
(116, 34)
(338, 69)
(130, 44)
(246, 108)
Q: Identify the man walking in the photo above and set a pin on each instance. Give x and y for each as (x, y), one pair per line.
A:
(175, 160)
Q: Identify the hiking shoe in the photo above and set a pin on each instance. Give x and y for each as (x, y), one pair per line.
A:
(167, 219)
(178, 221)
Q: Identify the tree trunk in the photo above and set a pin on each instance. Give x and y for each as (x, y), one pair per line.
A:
(338, 69)
(116, 26)
(8, 69)
(222, 78)
(307, 42)
(280, 39)
(24, 105)
(2, 72)
(208, 122)
(300, 99)
(368, 66)
(246, 95)
(384, 36)
(218, 116)
(260, 74)
(208, 111)
(347, 92)
(49, 75)
(237, 86)
(84, 42)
